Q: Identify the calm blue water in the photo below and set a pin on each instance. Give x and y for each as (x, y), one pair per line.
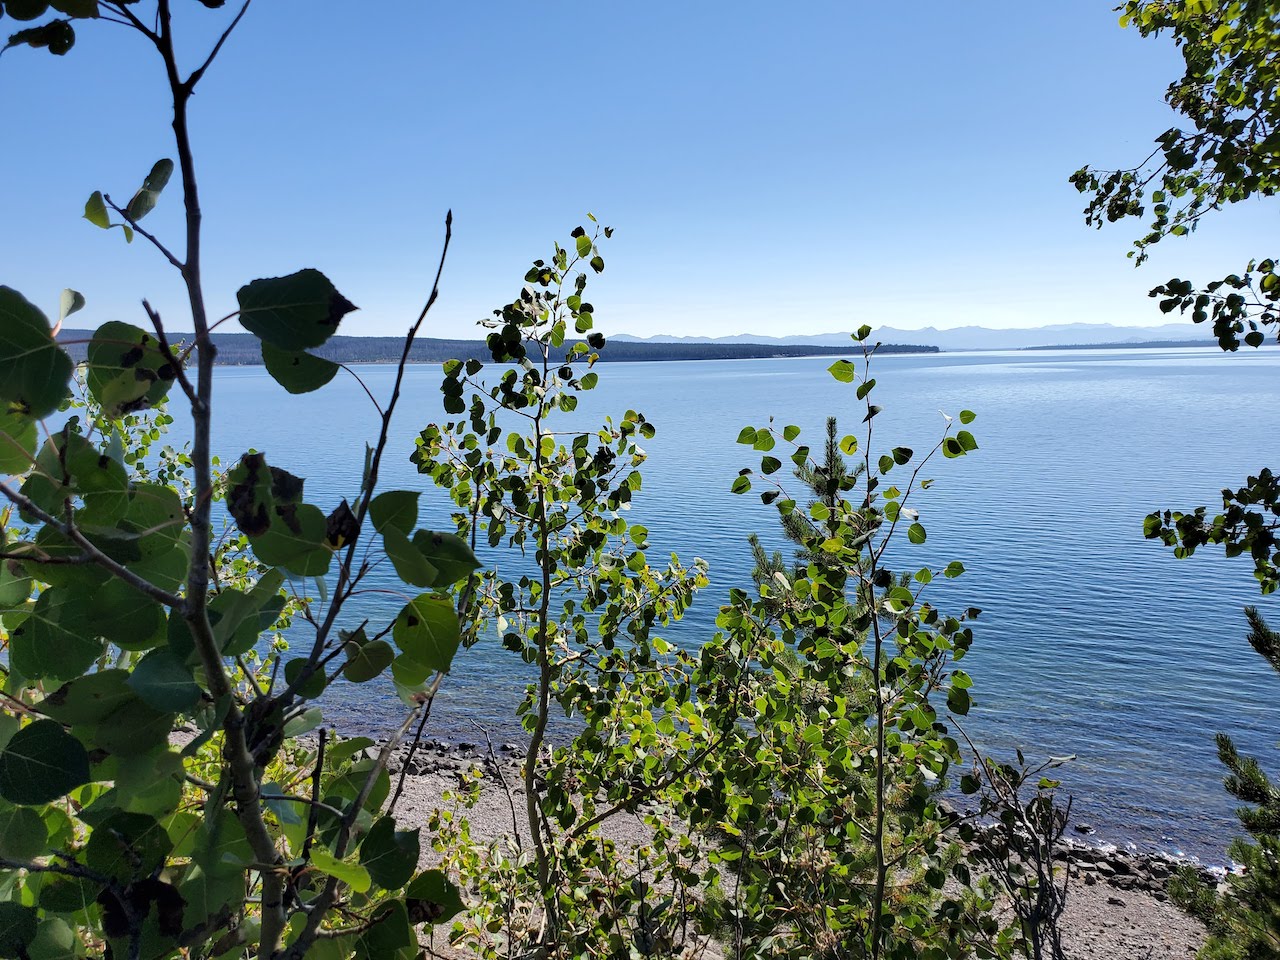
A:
(1092, 641)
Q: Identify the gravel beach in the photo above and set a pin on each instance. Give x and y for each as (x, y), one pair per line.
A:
(1116, 908)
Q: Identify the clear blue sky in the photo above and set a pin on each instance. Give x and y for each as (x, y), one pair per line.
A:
(769, 168)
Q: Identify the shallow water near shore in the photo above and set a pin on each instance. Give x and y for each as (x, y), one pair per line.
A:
(1092, 641)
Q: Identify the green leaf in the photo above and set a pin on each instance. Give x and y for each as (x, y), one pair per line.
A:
(352, 874)
(958, 700)
(155, 513)
(15, 585)
(95, 211)
(76, 8)
(843, 370)
(770, 465)
(902, 455)
(315, 684)
(266, 503)
(392, 938)
(42, 763)
(865, 387)
(56, 640)
(127, 846)
(364, 662)
(144, 201)
(448, 553)
(57, 36)
(90, 698)
(954, 569)
(789, 433)
(966, 441)
(55, 940)
(34, 370)
(583, 245)
(134, 729)
(395, 508)
(296, 312)
(740, 485)
(69, 303)
(411, 566)
(916, 533)
(164, 682)
(390, 855)
(18, 440)
(304, 722)
(67, 895)
(427, 630)
(18, 928)
(864, 331)
(216, 880)
(409, 676)
(296, 370)
(125, 617)
(22, 834)
(26, 9)
(433, 898)
(967, 416)
(149, 782)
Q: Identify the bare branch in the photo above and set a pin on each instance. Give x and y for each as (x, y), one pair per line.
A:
(72, 532)
(142, 232)
(128, 16)
(166, 349)
(371, 481)
(199, 72)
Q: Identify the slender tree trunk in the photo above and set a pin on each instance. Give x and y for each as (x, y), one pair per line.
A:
(531, 793)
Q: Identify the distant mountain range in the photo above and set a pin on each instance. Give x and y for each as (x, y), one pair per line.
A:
(245, 349)
(977, 338)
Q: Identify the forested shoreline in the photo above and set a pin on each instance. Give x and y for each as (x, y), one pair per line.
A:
(244, 349)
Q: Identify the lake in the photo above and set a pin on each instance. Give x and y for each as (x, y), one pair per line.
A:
(1092, 641)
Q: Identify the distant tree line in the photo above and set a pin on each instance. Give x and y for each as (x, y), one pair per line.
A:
(241, 349)
(1118, 345)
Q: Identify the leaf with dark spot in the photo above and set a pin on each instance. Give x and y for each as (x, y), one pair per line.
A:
(127, 369)
(341, 526)
(249, 494)
(34, 370)
(293, 313)
(296, 370)
(427, 630)
(432, 898)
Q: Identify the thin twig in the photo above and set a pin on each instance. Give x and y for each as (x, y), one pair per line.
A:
(320, 906)
(367, 392)
(417, 737)
(142, 231)
(199, 72)
(179, 372)
(344, 572)
(497, 768)
(313, 816)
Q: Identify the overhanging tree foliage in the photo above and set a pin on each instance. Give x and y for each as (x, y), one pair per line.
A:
(126, 617)
(1228, 151)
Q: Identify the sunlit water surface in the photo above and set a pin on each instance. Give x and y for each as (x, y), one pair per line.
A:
(1092, 640)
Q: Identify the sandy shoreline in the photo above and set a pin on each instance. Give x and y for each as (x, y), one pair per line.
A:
(1116, 907)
